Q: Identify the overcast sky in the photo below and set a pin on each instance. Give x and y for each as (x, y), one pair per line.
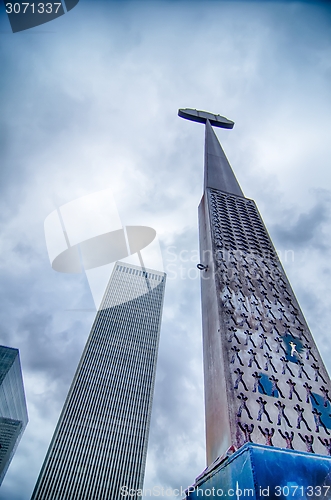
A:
(88, 102)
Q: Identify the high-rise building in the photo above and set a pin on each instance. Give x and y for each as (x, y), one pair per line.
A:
(265, 381)
(13, 412)
(100, 443)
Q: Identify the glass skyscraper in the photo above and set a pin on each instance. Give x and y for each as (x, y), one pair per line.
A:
(13, 412)
(99, 446)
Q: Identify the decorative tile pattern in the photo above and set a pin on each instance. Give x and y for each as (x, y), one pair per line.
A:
(278, 384)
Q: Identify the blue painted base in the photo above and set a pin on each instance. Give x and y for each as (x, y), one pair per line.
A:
(258, 472)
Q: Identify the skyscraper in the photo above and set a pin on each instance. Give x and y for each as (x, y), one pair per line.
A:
(100, 443)
(265, 381)
(13, 412)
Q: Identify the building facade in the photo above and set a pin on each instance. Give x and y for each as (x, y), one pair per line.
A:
(265, 381)
(99, 446)
(13, 411)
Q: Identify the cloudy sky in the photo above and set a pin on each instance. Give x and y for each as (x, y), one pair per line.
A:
(88, 102)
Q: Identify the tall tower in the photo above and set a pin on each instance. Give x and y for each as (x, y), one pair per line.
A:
(99, 446)
(13, 412)
(265, 381)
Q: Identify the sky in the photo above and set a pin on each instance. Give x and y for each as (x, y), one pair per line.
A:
(89, 102)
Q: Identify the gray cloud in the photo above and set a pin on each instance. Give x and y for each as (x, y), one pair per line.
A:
(306, 228)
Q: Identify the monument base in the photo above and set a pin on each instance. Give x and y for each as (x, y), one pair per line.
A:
(258, 472)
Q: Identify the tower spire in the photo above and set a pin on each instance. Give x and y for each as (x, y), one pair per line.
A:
(264, 378)
(218, 172)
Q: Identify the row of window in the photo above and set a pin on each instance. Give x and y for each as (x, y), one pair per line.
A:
(129, 270)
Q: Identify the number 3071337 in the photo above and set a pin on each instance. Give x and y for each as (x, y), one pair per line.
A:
(34, 8)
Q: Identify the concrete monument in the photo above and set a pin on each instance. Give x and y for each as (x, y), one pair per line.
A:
(265, 381)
